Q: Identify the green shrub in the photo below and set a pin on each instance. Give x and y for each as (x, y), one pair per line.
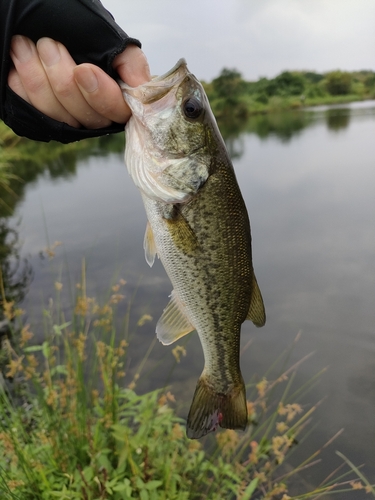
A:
(338, 82)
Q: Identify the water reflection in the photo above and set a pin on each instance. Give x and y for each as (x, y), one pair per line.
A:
(281, 125)
(32, 160)
(338, 119)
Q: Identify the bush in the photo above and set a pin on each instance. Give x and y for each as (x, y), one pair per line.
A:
(338, 82)
(229, 85)
(315, 91)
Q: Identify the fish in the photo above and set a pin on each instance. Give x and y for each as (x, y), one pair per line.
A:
(199, 227)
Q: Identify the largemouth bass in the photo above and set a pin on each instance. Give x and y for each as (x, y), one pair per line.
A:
(199, 227)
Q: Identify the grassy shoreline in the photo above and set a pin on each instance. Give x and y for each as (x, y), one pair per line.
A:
(231, 95)
(73, 427)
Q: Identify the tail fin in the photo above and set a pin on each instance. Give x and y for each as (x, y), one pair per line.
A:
(210, 409)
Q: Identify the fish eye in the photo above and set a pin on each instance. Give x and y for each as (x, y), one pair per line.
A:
(192, 108)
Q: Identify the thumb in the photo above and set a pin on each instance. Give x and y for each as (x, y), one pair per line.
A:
(132, 66)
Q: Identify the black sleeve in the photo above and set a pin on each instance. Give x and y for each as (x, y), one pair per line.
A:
(90, 34)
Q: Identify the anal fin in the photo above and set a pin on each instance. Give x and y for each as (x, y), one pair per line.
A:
(256, 313)
(173, 323)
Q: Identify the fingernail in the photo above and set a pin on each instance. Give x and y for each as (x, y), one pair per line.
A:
(21, 48)
(86, 79)
(48, 51)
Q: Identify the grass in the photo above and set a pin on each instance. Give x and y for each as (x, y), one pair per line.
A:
(72, 425)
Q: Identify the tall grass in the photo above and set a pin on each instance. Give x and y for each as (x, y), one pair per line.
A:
(72, 425)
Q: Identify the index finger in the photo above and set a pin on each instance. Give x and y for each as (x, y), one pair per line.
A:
(132, 66)
(102, 92)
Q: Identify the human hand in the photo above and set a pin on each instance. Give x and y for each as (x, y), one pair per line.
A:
(46, 76)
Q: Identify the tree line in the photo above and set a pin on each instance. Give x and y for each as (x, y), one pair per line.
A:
(230, 93)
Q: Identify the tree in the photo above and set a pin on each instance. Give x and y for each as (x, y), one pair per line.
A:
(229, 85)
(338, 82)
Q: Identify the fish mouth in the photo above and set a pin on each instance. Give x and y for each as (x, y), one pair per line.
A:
(158, 86)
(179, 64)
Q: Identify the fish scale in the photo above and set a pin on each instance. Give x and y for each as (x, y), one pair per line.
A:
(199, 227)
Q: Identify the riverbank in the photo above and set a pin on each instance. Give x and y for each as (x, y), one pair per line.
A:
(232, 97)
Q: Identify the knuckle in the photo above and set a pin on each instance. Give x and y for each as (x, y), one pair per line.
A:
(36, 84)
(63, 88)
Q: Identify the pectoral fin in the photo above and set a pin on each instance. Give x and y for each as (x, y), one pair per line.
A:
(257, 313)
(183, 236)
(173, 323)
(149, 245)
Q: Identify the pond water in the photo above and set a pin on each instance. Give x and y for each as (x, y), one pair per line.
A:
(308, 180)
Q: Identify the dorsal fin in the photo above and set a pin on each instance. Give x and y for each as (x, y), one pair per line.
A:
(173, 323)
(257, 313)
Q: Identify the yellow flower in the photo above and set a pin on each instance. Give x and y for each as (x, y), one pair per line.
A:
(262, 387)
(80, 346)
(50, 251)
(177, 432)
(178, 351)
(250, 408)
(290, 410)
(30, 370)
(100, 349)
(356, 485)
(14, 484)
(277, 490)
(116, 298)
(14, 367)
(81, 306)
(26, 335)
(132, 384)
(253, 456)
(143, 319)
(261, 476)
(227, 441)
(194, 445)
(165, 398)
(8, 310)
(281, 427)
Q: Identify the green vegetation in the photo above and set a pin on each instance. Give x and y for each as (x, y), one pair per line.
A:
(233, 98)
(73, 427)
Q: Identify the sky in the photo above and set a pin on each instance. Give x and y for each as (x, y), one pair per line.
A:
(256, 37)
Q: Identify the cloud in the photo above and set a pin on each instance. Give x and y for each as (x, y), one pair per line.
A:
(257, 38)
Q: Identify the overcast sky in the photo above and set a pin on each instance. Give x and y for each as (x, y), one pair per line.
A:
(257, 37)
